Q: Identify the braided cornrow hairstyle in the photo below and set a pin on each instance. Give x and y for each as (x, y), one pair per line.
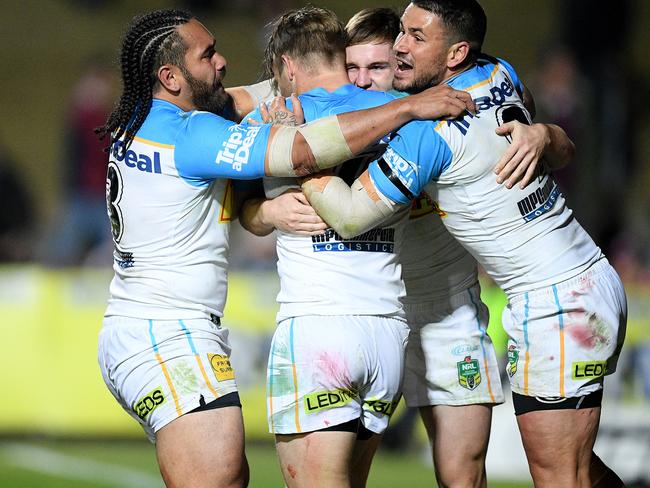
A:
(150, 41)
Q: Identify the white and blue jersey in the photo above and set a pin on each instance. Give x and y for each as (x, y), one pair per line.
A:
(525, 239)
(327, 274)
(168, 199)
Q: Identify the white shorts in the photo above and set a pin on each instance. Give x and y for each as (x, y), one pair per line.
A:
(159, 370)
(563, 339)
(450, 358)
(327, 370)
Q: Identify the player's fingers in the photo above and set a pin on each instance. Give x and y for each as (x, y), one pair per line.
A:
(252, 122)
(529, 176)
(264, 113)
(505, 159)
(297, 109)
(512, 164)
(466, 99)
(505, 129)
(519, 171)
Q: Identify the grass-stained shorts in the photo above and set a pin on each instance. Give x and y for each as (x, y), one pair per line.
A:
(159, 370)
(564, 338)
(450, 359)
(327, 370)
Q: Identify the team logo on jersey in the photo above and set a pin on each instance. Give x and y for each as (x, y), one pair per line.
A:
(237, 149)
(513, 357)
(221, 367)
(381, 239)
(469, 373)
(143, 162)
(149, 403)
(539, 201)
(423, 205)
(588, 369)
(226, 204)
(324, 400)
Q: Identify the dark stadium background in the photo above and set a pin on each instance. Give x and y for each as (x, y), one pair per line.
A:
(58, 425)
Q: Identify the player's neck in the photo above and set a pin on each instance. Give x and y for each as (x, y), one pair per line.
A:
(329, 80)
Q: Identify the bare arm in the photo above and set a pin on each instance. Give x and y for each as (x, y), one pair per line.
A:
(329, 141)
(247, 98)
(289, 212)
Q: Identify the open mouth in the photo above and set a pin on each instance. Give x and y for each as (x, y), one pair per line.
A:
(403, 66)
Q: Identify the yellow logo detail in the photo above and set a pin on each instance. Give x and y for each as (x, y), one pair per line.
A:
(226, 203)
(423, 205)
(221, 367)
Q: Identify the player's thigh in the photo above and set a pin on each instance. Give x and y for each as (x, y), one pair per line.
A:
(316, 459)
(321, 369)
(160, 370)
(559, 441)
(450, 358)
(564, 338)
(364, 451)
(459, 434)
(204, 448)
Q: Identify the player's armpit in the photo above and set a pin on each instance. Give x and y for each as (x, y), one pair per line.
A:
(350, 211)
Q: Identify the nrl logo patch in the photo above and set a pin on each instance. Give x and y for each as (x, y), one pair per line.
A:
(469, 374)
(513, 357)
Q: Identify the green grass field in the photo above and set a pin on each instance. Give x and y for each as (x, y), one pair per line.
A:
(96, 464)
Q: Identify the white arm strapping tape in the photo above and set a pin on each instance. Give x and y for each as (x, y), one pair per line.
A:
(349, 210)
(325, 139)
(261, 92)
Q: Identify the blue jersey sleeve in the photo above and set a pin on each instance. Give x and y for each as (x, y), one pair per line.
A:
(519, 86)
(415, 156)
(209, 147)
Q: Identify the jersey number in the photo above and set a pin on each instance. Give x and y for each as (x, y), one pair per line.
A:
(114, 188)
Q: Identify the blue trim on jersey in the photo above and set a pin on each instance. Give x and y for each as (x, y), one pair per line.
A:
(559, 308)
(206, 146)
(481, 72)
(318, 103)
(417, 155)
(153, 338)
(189, 337)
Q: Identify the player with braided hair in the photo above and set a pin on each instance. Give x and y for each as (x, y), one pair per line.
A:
(162, 350)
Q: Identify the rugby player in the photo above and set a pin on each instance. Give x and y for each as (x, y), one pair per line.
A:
(162, 350)
(566, 310)
(336, 360)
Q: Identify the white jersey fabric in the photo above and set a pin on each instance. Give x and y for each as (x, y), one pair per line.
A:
(327, 274)
(169, 202)
(524, 238)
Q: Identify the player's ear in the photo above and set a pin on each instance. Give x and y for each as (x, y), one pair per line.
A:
(289, 66)
(457, 54)
(169, 78)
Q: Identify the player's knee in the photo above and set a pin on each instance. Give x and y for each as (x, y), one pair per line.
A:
(462, 472)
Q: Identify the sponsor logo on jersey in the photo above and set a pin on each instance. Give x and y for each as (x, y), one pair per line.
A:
(147, 163)
(149, 403)
(237, 149)
(588, 369)
(513, 357)
(221, 367)
(539, 201)
(464, 349)
(405, 170)
(381, 406)
(123, 259)
(324, 400)
(375, 240)
(469, 373)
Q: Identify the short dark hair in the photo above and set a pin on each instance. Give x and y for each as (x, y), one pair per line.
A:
(465, 20)
(303, 33)
(150, 41)
(373, 25)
